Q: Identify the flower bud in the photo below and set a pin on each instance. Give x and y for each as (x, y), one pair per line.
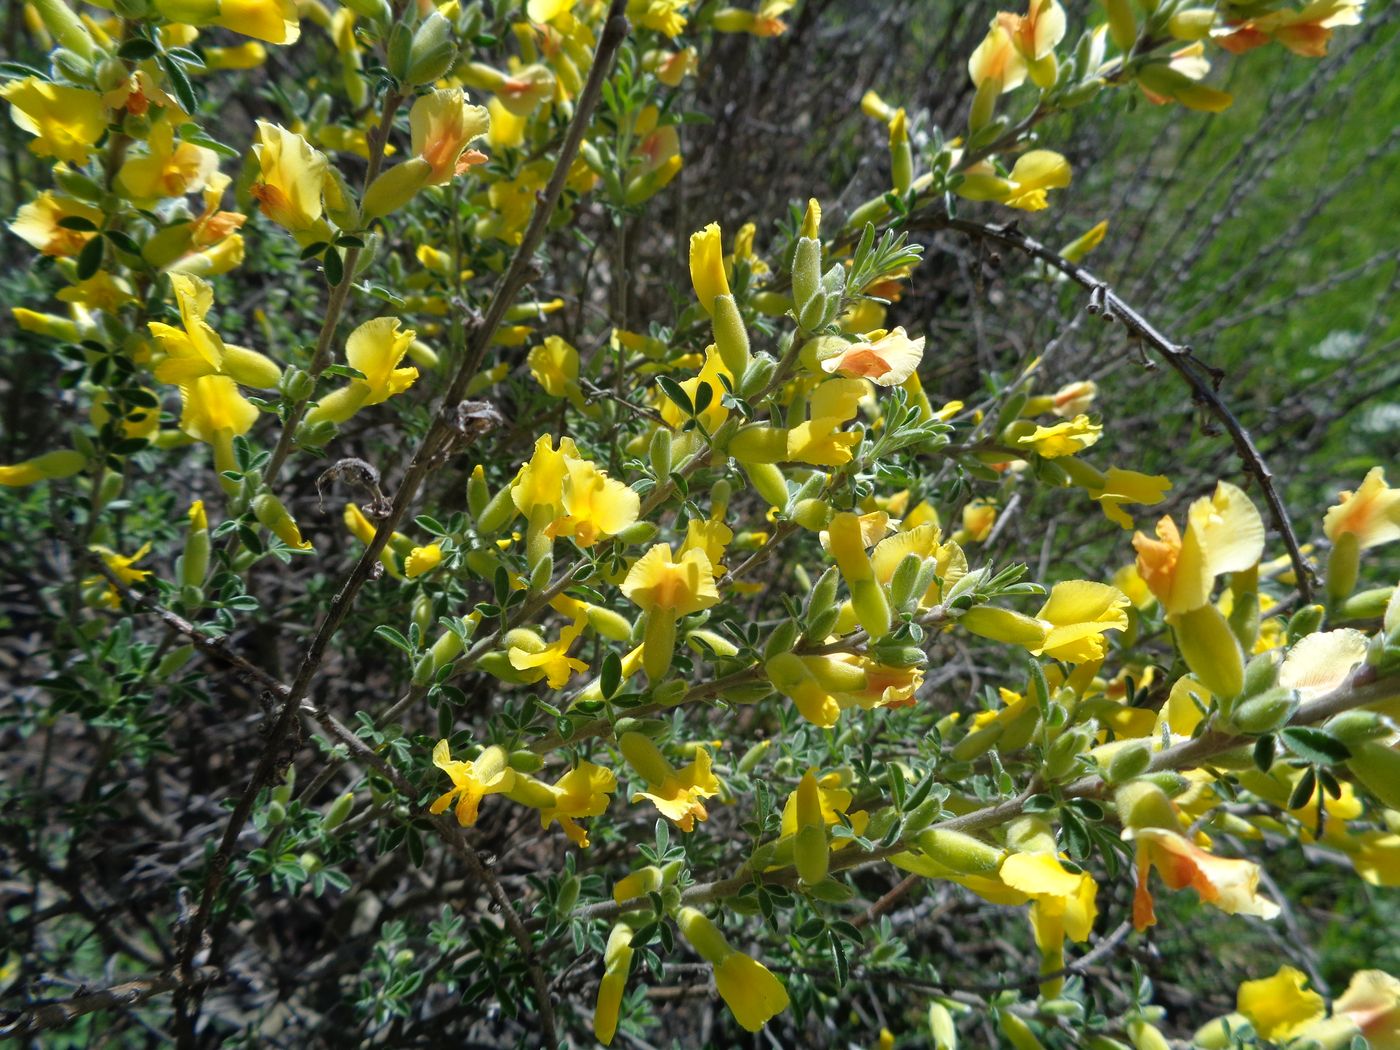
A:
(958, 852)
(638, 884)
(396, 187)
(768, 482)
(806, 272)
(499, 511)
(432, 51)
(1264, 713)
(1210, 650)
(1191, 23)
(1142, 804)
(273, 516)
(1343, 565)
(1129, 762)
(731, 339)
(753, 756)
(1377, 766)
(1353, 727)
(335, 814)
(1304, 622)
(1004, 625)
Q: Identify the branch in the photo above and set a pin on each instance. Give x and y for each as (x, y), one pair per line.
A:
(1361, 690)
(445, 429)
(1203, 386)
(55, 1015)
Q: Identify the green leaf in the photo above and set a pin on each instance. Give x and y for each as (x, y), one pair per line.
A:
(180, 84)
(138, 49)
(90, 258)
(673, 390)
(610, 676)
(1314, 745)
(1264, 749)
(1303, 790)
(334, 267)
(394, 638)
(77, 222)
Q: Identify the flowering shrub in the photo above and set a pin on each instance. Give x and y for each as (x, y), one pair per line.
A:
(617, 657)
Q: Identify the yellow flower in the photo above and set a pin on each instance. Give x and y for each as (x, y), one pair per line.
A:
(707, 266)
(978, 518)
(272, 21)
(594, 504)
(121, 564)
(1372, 513)
(1372, 1003)
(1230, 885)
(998, 59)
(472, 781)
(835, 800)
(1078, 612)
(38, 223)
(421, 560)
(1027, 187)
(291, 177)
(664, 16)
(581, 792)
(677, 794)
(1121, 487)
(66, 121)
(617, 960)
(166, 169)
(1062, 439)
(522, 91)
(554, 366)
(750, 990)
(821, 441)
(668, 588)
(1035, 34)
(51, 465)
(1280, 1006)
(1224, 533)
(884, 358)
(443, 125)
(214, 410)
(1062, 903)
(551, 663)
(374, 348)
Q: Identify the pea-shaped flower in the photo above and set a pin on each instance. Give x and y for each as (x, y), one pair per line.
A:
(666, 589)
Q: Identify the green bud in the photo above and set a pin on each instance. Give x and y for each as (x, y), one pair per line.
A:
(1264, 713)
(1352, 727)
(1343, 565)
(731, 338)
(758, 374)
(814, 315)
(1261, 673)
(397, 186)
(638, 533)
(904, 580)
(1365, 605)
(811, 854)
(922, 815)
(978, 742)
(1129, 762)
(753, 756)
(296, 385)
(432, 51)
(659, 452)
(276, 812)
(806, 271)
(1304, 622)
(959, 852)
(499, 511)
(336, 813)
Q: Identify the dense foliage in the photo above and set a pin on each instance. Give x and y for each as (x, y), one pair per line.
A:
(566, 521)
